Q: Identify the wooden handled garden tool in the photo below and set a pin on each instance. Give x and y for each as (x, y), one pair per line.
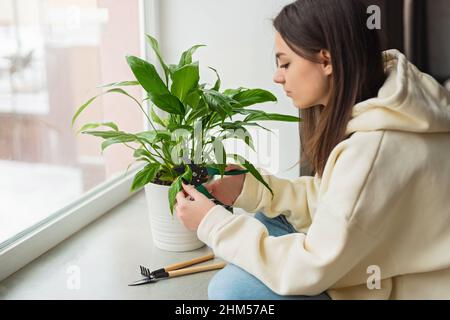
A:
(178, 269)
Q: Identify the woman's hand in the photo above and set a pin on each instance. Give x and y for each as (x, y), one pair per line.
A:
(227, 189)
(192, 206)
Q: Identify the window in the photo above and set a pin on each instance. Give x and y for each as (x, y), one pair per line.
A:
(53, 55)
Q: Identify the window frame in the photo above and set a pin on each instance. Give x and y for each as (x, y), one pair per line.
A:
(34, 241)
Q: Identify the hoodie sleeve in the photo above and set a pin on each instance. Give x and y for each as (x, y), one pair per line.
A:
(294, 198)
(298, 263)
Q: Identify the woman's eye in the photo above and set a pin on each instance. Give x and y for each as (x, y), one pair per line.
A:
(285, 66)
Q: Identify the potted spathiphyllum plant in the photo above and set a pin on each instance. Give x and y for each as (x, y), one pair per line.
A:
(189, 122)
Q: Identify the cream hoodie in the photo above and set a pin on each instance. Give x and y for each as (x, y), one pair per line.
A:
(382, 206)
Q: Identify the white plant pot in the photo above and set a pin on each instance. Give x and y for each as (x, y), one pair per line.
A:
(168, 232)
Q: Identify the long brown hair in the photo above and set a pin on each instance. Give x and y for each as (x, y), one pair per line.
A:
(339, 26)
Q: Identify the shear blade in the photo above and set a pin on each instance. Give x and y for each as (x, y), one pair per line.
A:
(142, 281)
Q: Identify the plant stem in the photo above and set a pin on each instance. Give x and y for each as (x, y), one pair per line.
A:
(167, 162)
(193, 146)
(153, 155)
(153, 126)
(142, 109)
(129, 146)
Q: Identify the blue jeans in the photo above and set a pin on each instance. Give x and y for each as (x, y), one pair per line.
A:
(234, 283)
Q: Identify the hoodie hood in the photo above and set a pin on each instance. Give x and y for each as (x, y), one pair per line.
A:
(409, 100)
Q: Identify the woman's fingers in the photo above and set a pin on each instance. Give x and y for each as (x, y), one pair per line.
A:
(232, 167)
(229, 167)
(180, 197)
(192, 192)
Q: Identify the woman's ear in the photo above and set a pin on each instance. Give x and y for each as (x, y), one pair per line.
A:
(325, 57)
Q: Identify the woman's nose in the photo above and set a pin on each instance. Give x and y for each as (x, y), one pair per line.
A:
(278, 77)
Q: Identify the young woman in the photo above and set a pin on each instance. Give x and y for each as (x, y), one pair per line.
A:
(374, 220)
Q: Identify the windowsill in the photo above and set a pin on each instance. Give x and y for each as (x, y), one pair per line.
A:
(107, 254)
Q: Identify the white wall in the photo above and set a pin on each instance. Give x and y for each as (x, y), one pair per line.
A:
(240, 45)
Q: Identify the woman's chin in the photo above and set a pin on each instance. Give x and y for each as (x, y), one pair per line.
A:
(297, 104)
(300, 105)
(303, 106)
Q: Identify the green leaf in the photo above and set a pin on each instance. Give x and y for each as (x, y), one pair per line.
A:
(143, 159)
(155, 46)
(184, 80)
(186, 56)
(87, 103)
(218, 102)
(216, 118)
(172, 68)
(218, 82)
(219, 150)
(220, 167)
(246, 136)
(176, 186)
(173, 190)
(232, 92)
(157, 119)
(247, 165)
(142, 153)
(144, 176)
(121, 91)
(187, 175)
(166, 149)
(107, 134)
(253, 96)
(193, 99)
(148, 77)
(122, 139)
(165, 177)
(271, 116)
(236, 124)
(113, 137)
(174, 127)
(259, 115)
(120, 84)
(200, 111)
(89, 126)
(169, 103)
(152, 136)
(81, 109)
